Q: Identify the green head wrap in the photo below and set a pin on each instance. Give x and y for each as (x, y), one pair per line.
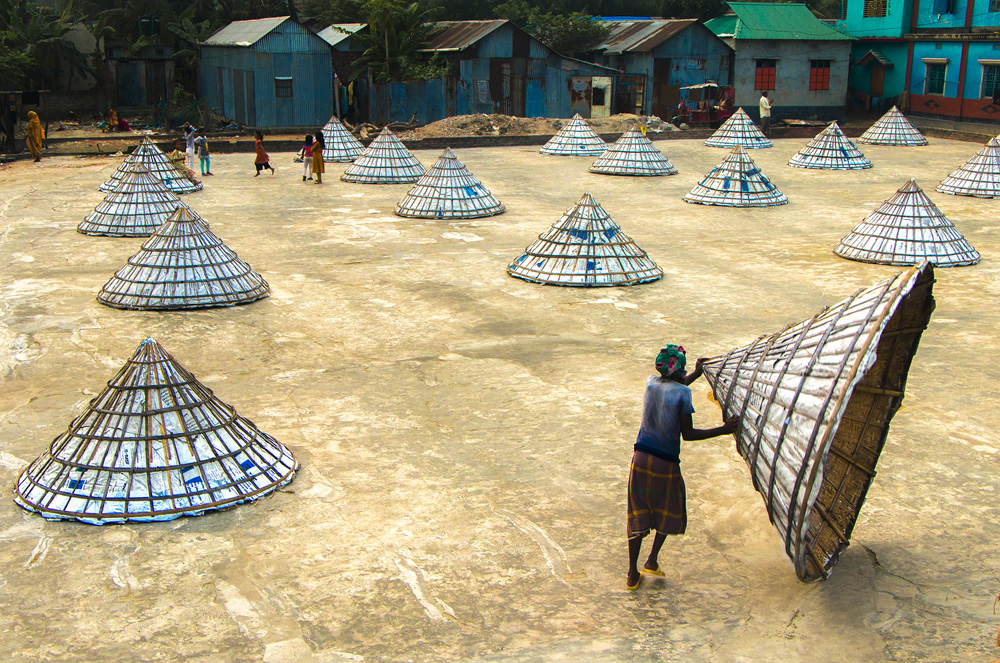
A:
(672, 359)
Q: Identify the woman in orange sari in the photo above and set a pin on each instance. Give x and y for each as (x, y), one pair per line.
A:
(35, 137)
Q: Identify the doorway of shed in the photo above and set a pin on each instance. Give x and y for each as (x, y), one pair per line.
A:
(665, 96)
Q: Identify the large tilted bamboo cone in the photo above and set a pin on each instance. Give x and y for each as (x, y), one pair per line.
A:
(814, 403)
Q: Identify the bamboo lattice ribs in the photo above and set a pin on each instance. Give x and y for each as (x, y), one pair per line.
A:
(814, 402)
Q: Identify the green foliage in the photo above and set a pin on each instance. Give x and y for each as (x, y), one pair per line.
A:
(396, 31)
(14, 67)
(327, 12)
(33, 44)
(571, 34)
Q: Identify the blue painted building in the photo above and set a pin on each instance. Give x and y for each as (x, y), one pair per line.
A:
(933, 57)
(954, 62)
(656, 58)
(497, 67)
(880, 54)
(267, 73)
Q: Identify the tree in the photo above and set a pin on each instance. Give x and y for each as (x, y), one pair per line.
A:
(571, 34)
(33, 44)
(395, 33)
(327, 12)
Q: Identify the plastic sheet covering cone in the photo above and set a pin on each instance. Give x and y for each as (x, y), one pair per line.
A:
(738, 130)
(585, 247)
(831, 150)
(633, 154)
(814, 403)
(576, 139)
(138, 205)
(979, 177)
(736, 182)
(385, 161)
(893, 129)
(338, 143)
(154, 445)
(159, 164)
(183, 265)
(448, 191)
(907, 229)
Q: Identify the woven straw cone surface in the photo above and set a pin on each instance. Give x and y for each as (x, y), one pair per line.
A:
(158, 163)
(907, 229)
(183, 265)
(830, 150)
(338, 144)
(585, 247)
(155, 444)
(736, 182)
(576, 139)
(138, 205)
(738, 130)
(814, 403)
(385, 161)
(448, 191)
(979, 176)
(633, 154)
(893, 129)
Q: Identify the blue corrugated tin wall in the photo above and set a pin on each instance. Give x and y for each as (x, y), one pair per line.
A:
(290, 51)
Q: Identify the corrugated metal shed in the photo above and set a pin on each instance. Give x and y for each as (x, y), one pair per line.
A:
(641, 36)
(459, 35)
(774, 20)
(338, 32)
(244, 33)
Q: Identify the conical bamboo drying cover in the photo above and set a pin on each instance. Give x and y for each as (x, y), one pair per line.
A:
(736, 182)
(814, 403)
(576, 139)
(385, 161)
(448, 191)
(907, 229)
(738, 130)
(893, 129)
(182, 266)
(139, 204)
(154, 445)
(338, 143)
(633, 154)
(585, 247)
(158, 163)
(979, 177)
(831, 150)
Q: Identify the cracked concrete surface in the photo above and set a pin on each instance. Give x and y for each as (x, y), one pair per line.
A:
(465, 436)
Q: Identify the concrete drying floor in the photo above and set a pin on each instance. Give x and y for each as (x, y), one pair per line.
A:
(465, 436)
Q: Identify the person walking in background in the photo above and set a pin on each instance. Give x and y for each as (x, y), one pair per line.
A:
(189, 144)
(318, 167)
(261, 160)
(765, 114)
(657, 499)
(204, 158)
(35, 136)
(306, 154)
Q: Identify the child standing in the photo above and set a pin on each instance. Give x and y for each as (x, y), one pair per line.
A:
(318, 167)
(306, 154)
(261, 161)
(204, 158)
(189, 144)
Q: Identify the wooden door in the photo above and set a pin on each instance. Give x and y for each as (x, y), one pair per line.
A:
(878, 80)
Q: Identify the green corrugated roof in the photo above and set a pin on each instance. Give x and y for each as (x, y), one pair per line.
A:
(773, 20)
